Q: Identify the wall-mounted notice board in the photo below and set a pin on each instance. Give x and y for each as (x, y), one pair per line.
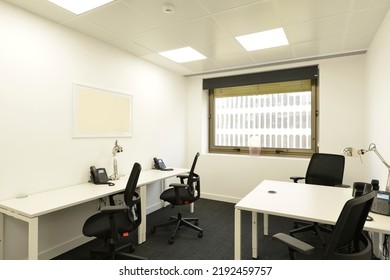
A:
(100, 112)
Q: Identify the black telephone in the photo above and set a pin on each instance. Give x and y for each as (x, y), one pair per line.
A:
(99, 176)
(160, 165)
(381, 203)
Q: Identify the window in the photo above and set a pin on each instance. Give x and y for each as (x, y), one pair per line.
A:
(281, 114)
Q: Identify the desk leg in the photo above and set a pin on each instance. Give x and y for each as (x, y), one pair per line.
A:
(254, 235)
(265, 224)
(1, 236)
(142, 227)
(33, 239)
(375, 237)
(237, 234)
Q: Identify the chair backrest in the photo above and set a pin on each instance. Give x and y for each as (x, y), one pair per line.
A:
(193, 179)
(325, 169)
(132, 184)
(347, 234)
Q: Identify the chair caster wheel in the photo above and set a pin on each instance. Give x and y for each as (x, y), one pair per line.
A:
(131, 249)
(171, 241)
(153, 230)
(200, 234)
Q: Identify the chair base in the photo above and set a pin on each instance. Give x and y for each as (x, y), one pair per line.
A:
(115, 252)
(178, 222)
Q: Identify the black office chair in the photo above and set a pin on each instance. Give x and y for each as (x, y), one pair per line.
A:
(347, 241)
(183, 193)
(324, 169)
(114, 223)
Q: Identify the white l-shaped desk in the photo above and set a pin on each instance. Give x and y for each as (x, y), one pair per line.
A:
(31, 207)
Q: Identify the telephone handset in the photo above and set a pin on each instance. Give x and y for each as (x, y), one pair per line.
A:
(99, 176)
(160, 165)
(381, 203)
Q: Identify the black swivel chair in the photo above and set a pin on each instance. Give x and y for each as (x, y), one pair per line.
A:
(347, 240)
(324, 169)
(183, 193)
(114, 223)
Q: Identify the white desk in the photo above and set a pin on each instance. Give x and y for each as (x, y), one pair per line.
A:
(30, 208)
(314, 203)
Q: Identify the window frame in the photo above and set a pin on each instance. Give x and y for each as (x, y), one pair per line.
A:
(282, 152)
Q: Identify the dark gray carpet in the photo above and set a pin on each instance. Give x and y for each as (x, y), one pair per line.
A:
(217, 221)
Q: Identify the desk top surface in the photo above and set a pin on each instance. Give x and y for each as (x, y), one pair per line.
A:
(38, 204)
(314, 203)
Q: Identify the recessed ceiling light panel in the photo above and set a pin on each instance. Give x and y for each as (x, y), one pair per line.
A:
(80, 6)
(186, 54)
(263, 40)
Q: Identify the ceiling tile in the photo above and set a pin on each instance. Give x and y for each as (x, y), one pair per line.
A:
(166, 63)
(318, 48)
(198, 31)
(364, 4)
(249, 19)
(237, 60)
(201, 65)
(158, 41)
(316, 30)
(305, 10)
(219, 6)
(359, 41)
(272, 55)
(153, 9)
(131, 47)
(367, 20)
(120, 19)
(220, 48)
(91, 29)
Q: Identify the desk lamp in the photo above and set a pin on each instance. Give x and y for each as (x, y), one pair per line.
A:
(372, 148)
(117, 149)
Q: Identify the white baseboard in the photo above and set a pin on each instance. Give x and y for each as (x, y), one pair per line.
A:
(220, 197)
(64, 247)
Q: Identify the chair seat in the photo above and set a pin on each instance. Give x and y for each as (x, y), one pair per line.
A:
(169, 195)
(99, 226)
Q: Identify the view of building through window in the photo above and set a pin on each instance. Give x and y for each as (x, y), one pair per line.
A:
(281, 120)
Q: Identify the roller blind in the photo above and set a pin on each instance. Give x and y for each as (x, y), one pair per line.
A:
(293, 74)
(281, 87)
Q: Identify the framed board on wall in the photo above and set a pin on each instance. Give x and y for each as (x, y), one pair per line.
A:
(100, 112)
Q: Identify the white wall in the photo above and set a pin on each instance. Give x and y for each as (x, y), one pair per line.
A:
(39, 62)
(378, 100)
(341, 106)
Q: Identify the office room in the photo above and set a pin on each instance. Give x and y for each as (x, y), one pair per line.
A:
(42, 58)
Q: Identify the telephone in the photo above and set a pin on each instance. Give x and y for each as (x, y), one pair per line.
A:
(160, 165)
(99, 176)
(381, 203)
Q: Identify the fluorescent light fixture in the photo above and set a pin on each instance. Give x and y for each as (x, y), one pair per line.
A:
(186, 54)
(79, 6)
(263, 40)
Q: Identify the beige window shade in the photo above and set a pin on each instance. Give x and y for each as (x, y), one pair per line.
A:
(281, 87)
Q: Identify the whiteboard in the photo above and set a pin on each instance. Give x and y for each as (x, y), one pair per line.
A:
(100, 112)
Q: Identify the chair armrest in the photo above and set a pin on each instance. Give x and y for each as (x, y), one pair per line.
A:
(178, 185)
(294, 244)
(296, 178)
(112, 209)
